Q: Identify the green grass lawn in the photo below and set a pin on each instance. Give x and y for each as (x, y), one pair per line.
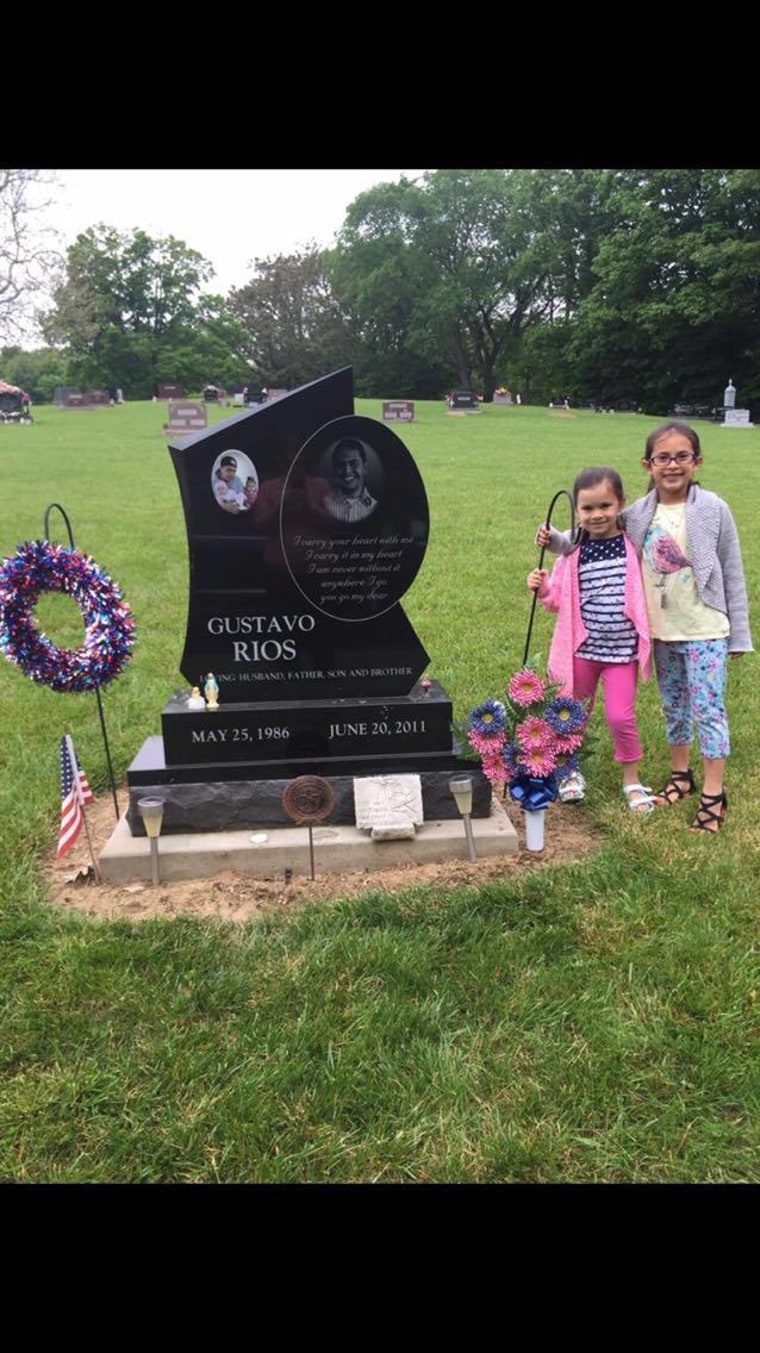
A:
(593, 1023)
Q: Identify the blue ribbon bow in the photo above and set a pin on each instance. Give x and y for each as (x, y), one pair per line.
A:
(533, 794)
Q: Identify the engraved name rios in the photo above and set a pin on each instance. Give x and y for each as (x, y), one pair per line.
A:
(267, 636)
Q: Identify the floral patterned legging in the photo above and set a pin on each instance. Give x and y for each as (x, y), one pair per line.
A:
(691, 676)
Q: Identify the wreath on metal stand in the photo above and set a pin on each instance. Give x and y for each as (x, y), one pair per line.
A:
(41, 566)
(38, 567)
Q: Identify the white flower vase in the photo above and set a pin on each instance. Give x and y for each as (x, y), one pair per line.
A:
(534, 829)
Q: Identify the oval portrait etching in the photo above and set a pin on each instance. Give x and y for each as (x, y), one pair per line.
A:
(366, 534)
(234, 482)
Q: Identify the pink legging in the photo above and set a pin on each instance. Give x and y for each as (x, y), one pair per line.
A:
(619, 687)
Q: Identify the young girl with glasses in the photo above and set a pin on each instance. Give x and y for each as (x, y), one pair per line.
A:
(697, 607)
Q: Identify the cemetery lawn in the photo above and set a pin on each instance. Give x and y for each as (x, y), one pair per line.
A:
(586, 1016)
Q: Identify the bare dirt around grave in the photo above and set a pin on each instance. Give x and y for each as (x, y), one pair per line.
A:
(236, 896)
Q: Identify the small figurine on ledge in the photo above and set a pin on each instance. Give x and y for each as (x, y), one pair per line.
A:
(211, 691)
(195, 699)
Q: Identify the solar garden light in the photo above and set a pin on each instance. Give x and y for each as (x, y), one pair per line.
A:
(152, 812)
(461, 788)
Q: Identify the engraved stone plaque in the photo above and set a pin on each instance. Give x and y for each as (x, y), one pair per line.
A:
(387, 801)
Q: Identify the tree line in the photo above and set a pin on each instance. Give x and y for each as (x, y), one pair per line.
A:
(611, 287)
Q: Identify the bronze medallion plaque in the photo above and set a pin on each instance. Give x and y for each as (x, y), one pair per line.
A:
(309, 798)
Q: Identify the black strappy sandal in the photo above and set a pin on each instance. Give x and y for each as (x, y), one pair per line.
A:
(673, 791)
(706, 814)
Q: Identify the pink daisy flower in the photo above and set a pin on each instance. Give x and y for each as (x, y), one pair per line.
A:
(535, 734)
(494, 769)
(486, 745)
(526, 688)
(539, 762)
(569, 742)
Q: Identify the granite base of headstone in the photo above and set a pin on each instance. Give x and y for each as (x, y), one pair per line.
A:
(306, 525)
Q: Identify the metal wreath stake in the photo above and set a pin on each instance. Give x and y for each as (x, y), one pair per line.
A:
(562, 493)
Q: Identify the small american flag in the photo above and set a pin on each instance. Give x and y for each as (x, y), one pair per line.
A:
(75, 792)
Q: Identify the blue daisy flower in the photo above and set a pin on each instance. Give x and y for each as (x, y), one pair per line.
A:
(511, 758)
(565, 715)
(568, 763)
(489, 719)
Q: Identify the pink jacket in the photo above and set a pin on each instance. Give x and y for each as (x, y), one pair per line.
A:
(561, 593)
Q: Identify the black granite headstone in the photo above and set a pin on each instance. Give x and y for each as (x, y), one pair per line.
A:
(463, 401)
(306, 526)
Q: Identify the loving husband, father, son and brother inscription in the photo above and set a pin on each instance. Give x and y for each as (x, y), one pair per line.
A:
(306, 525)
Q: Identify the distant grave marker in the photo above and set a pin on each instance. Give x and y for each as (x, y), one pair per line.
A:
(733, 417)
(184, 418)
(463, 401)
(86, 399)
(398, 411)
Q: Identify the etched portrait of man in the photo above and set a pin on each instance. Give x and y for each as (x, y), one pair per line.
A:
(348, 498)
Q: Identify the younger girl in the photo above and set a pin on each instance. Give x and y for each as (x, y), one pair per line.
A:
(602, 632)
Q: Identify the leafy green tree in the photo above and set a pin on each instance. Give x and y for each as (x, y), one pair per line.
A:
(381, 284)
(131, 313)
(38, 372)
(452, 270)
(296, 330)
(675, 305)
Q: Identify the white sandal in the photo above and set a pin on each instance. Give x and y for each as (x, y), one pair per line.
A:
(644, 803)
(573, 788)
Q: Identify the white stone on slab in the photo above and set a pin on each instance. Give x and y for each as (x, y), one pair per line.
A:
(388, 801)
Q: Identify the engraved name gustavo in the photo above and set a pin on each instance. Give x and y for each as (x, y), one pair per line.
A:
(271, 643)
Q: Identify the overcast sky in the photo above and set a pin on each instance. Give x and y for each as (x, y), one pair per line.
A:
(231, 216)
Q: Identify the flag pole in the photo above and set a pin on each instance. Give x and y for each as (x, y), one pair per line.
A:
(80, 796)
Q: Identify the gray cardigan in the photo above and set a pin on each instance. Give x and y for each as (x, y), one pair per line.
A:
(713, 549)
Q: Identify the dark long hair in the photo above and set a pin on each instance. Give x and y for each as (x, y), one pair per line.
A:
(674, 426)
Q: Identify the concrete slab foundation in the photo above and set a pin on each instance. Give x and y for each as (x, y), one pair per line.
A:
(269, 850)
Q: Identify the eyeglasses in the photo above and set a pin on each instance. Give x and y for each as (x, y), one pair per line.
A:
(662, 458)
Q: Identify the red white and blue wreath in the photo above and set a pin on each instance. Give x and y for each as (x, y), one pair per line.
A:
(38, 567)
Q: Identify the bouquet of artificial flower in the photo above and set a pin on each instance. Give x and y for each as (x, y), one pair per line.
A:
(531, 741)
